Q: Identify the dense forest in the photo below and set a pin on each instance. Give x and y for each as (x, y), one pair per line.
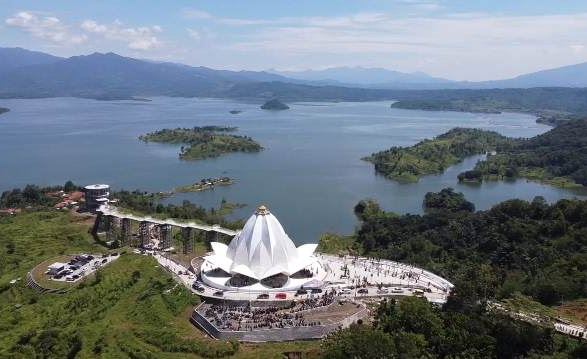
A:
(203, 142)
(534, 248)
(558, 156)
(434, 156)
(414, 328)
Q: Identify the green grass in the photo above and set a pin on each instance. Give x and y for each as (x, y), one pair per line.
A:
(131, 309)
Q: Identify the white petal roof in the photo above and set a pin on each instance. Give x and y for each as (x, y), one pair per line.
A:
(261, 249)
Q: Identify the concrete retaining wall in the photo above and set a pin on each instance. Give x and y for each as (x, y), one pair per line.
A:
(275, 334)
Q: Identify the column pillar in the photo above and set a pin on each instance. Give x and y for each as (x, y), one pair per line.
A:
(125, 236)
(165, 236)
(187, 240)
(143, 233)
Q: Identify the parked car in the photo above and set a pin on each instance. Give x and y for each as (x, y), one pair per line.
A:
(280, 296)
(383, 291)
(301, 291)
(263, 296)
(316, 290)
(104, 260)
(363, 291)
(346, 291)
(69, 279)
(397, 290)
(219, 293)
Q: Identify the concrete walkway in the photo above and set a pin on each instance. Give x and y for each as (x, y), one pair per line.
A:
(113, 211)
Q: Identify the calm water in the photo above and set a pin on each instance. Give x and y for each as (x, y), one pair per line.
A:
(310, 174)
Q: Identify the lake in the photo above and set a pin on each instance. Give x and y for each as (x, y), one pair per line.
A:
(310, 174)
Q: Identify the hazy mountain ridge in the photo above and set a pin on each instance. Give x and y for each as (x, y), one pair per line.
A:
(111, 76)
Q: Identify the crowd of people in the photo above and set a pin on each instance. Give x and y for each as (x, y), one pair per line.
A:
(247, 317)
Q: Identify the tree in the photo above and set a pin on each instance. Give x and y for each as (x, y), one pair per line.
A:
(360, 342)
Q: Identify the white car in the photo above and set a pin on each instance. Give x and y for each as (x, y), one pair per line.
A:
(346, 291)
(383, 291)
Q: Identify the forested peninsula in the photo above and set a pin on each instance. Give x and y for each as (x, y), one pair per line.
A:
(408, 164)
(557, 157)
(203, 142)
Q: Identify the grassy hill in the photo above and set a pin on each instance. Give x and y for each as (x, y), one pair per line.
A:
(131, 309)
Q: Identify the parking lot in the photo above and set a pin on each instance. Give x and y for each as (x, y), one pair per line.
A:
(78, 267)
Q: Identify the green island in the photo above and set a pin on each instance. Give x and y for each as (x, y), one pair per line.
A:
(3, 110)
(205, 184)
(557, 157)
(203, 142)
(274, 104)
(522, 255)
(408, 164)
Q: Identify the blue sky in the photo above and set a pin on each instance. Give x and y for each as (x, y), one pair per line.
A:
(460, 39)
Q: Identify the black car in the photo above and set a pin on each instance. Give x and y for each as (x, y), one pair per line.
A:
(301, 291)
(219, 294)
(363, 291)
(263, 296)
(316, 290)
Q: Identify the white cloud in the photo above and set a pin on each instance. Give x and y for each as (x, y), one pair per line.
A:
(577, 48)
(196, 14)
(45, 27)
(136, 38)
(194, 34)
(460, 46)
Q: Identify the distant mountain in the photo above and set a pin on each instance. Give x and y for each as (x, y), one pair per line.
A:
(13, 57)
(29, 74)
(367, 77)
(566, 76)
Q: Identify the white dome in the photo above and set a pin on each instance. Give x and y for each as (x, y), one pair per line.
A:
(262, 249)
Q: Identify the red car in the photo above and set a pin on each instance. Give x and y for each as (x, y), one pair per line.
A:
(280, 296)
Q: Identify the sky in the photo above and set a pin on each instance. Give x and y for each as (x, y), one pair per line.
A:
(455, 39)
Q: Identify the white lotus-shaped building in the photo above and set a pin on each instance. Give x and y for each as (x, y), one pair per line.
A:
(260, 257)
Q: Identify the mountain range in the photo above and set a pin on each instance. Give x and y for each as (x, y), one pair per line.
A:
(29, 74)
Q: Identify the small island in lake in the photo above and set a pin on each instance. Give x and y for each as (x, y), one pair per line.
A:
(3, 110)
(408, 164)
(206, 183)
(274, 104)
(235, 112)
(203, 142)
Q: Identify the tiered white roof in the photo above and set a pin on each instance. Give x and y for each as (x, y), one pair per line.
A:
(261, 249)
